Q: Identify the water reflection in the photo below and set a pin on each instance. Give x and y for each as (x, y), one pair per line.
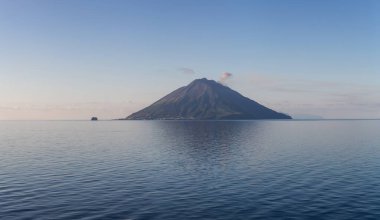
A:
(209, 143)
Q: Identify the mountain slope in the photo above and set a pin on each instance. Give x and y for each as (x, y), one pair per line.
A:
(205, 99)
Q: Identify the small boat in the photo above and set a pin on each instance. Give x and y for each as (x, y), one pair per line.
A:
(94, 119)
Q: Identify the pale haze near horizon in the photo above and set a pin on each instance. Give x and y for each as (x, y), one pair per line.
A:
(77, 59)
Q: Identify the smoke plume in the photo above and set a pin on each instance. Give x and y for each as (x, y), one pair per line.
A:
(224, 77)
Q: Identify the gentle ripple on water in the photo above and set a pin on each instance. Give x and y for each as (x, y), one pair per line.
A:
(190, 169)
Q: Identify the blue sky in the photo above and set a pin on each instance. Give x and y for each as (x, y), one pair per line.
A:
(75, 59)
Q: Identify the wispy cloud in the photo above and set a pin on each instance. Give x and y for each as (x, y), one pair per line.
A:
(77, 110)
(332, 99)
(187, 71)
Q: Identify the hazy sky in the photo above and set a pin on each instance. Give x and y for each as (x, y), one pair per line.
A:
(77, 59)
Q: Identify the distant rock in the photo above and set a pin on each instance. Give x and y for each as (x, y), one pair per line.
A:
(205, 99)
(94, 119)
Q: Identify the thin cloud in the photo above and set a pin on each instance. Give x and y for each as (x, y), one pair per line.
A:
(187, 71)
(331, 99)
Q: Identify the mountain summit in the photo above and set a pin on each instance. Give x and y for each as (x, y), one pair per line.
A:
(205, 99)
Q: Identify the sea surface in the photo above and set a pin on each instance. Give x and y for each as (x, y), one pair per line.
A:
(327, 169)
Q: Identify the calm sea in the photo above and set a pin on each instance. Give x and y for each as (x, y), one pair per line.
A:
(190, 169)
